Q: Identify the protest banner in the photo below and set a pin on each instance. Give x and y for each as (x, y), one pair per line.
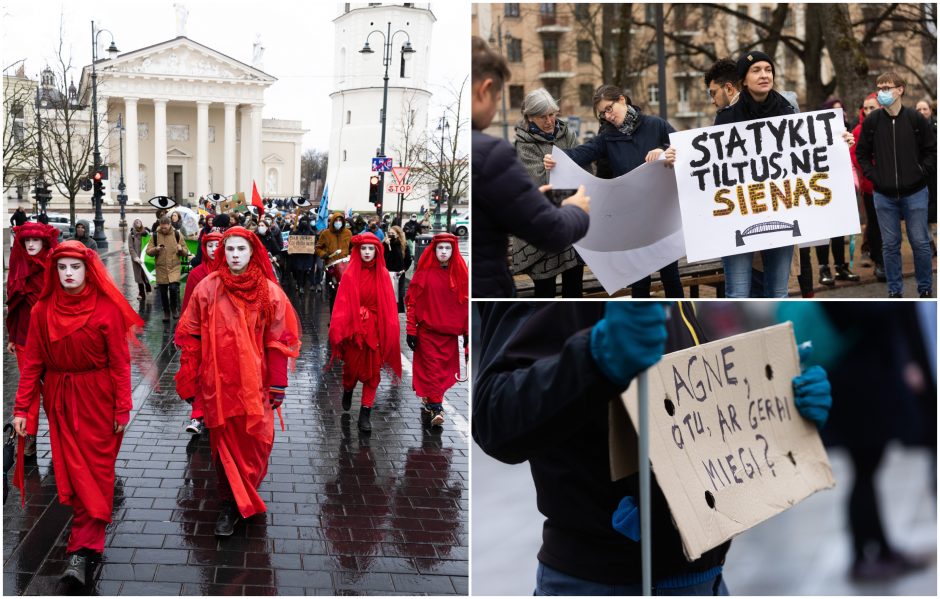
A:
(635, 228)
(235, 204)
(763, 184)
(301, 244)
(727, 445)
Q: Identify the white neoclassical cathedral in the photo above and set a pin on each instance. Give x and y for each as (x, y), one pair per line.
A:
(357, 98)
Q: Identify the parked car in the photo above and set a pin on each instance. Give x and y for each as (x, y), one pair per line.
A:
(460, 225)
(62, 223)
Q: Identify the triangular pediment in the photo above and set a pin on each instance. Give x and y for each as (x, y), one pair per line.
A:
(175, 152)
(273, 159)
(181, 57)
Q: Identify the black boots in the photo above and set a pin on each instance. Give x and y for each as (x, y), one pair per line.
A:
(844, 274)
(228, 518)
(825, 276)
(76, 569)
(141, 291)
(364, 424)
(347, 400)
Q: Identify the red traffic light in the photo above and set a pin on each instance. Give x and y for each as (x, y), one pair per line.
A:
(374, 180)
(98, 176)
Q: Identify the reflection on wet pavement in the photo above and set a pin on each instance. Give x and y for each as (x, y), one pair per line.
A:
(347, 514)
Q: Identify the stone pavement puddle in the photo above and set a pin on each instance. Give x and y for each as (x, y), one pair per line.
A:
(385, 513)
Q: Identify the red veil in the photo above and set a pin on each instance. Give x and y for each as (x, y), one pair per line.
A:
(346, 322)
(459, 275)
(211, 265)
(24, 280)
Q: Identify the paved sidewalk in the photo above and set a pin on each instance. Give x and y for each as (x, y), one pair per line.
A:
(347, 514)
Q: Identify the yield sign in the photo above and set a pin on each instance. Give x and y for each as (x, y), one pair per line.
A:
(401, 173)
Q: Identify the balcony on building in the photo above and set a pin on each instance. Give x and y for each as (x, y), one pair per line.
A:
(555, 68)
(552, 23)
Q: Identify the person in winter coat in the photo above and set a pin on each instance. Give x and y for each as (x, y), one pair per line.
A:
(135, 248)
(77, 356)
(32, 243)
(301, 264)
(237, 335)
(335, 237)
(83, 236)
(505, 199)
(168, 247)
(364, 329)
(536, 134)
(635, 138)
(897, 152)
(437, 314)
(398, 261)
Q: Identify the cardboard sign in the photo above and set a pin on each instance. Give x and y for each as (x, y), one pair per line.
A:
(763, 184)
(635, 227)
(301, 244)
(236, 204)
(727, 444)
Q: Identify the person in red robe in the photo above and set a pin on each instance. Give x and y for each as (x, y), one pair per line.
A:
(209, 244)
(364, 329)
(77, 355)
(237, 334)
(437, 313)
(28, 261)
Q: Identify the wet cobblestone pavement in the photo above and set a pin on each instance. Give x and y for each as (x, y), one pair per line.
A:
(385, 513)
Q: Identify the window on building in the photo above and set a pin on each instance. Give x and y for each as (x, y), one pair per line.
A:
(652, 93)
(346, 9)
(344, 155)
(899, 54)
(553, 86)
(682, 91)
(550, 53)
(678, 16)
(766, 15)
(516, 96)
(582, 12)
(348, 116)
(19, 123)
(584, 51)
(586, 95)
(547, 8)
(511, 10)
(650, 13)
(514, 49)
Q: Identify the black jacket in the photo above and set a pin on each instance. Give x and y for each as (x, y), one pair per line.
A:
(540, 397)
(747, 109)
(897, 154)
(507, 202)
(411, 229)
(624, 151)
(394, 261)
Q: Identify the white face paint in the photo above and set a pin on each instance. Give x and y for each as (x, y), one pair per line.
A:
(367, 251)
(33, 245)
(211, 247)
(237, 253)
(444, 251)
(71, 274)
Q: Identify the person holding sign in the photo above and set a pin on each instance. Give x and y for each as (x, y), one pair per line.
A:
(632, 139)
(547, 375)
(897, 152)
(237, 335)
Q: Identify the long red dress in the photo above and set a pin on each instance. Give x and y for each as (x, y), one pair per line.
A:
(77, 354)
(364, 330)
(24, 285)
(234, 352)
(437, 313)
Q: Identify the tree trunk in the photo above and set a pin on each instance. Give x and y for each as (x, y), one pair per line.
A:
(624, 21)
(848, 58)
(607, 61)
(816, 92)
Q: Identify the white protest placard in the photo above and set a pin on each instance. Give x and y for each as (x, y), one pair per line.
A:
(635, 229)
(763, 184)
(727, 445)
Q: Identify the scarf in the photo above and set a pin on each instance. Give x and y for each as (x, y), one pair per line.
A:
(630, 121)
(536, 130)
(250, 288)
(773, 105)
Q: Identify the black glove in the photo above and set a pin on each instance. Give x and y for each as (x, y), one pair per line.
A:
(412, 341)
(189, 400)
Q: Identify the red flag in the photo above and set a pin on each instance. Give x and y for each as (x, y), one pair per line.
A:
(256, 199)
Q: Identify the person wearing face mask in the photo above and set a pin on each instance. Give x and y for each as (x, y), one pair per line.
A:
(301, 264)
(364, 329)
(335, 237)
(271, 243)
(134, 248)
(397, 261)
(632, 139)
(32, 243)
(437, 313)
(237, 334)
(897, 152)
(77, 356)
(411, 229)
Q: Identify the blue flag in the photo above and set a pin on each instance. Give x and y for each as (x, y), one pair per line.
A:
(324, 212)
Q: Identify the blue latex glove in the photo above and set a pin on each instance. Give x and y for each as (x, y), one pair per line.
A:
(812, 392)
(626, 519)
(629, 339)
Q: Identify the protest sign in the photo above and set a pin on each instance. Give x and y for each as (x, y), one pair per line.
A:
(635, 229)
(763, 184)
(727, 445)
(301, 244)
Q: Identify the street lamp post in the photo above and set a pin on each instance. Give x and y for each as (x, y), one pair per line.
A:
(406, 52)
(41, 198)
(122, 197)
(499, 35)
(443, 126)
(100, 239)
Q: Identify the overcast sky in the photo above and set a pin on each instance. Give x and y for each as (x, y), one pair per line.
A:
(298, 38)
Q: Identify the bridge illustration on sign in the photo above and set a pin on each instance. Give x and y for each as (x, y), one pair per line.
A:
(773, 226)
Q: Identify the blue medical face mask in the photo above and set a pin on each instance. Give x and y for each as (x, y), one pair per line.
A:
(885, 97)
(338, 225)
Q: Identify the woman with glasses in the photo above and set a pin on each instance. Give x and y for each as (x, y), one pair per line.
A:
(540, 130)
(627, 139)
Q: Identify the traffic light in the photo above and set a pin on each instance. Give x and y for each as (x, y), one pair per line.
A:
(374, 190)
(378, 208)
(99, 187)
(85, 184)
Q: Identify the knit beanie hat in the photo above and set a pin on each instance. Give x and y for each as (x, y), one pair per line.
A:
(749, 58)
